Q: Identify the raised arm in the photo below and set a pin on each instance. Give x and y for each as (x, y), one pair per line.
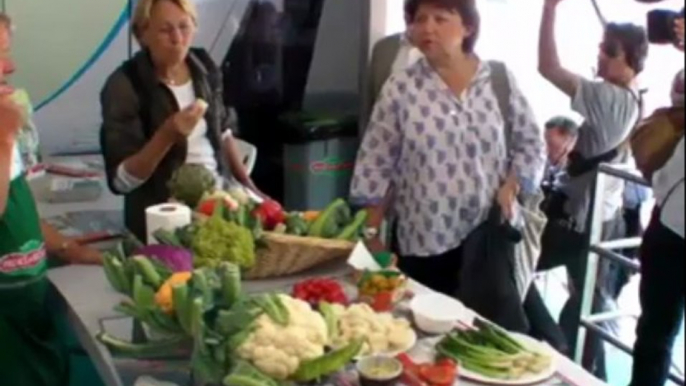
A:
(549, 65)
(130, 157)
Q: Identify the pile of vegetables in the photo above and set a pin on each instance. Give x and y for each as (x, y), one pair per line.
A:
(442, 373)
(490, 351)
(381, 333)
(232, 338)
(315, 291)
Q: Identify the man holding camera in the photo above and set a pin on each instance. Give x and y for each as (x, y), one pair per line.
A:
(662, 253)
(610, 108)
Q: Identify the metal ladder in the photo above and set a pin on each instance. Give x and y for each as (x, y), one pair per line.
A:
(590, 323)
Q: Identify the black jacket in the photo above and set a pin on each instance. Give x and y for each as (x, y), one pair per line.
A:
(135, 104)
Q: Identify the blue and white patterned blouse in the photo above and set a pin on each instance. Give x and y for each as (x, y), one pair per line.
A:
(444, 156)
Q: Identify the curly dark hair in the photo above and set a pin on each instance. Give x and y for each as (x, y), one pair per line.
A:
(634, 42)
(467, 10)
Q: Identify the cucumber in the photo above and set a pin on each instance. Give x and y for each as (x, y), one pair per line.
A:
(352, 231)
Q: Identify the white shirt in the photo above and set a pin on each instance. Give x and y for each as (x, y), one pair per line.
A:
(200, 150)
(668, 184)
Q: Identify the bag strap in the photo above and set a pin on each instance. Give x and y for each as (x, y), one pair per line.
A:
(502, 88)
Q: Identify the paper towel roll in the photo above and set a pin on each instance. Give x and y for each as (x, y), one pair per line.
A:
(166, 216)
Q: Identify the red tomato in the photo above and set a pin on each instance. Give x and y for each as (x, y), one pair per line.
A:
(438, 375)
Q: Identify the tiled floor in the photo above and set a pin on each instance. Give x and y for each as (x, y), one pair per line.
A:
(619, 364)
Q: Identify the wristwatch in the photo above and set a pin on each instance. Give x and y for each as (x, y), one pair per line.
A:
(370, 233)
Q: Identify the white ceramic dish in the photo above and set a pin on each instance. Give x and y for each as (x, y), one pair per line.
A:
(437, 314)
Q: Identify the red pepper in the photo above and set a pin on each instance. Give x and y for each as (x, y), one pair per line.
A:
(271, 213)
(438, 375)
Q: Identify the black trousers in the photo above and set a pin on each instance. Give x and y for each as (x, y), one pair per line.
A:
(662, 299)
(563, 247)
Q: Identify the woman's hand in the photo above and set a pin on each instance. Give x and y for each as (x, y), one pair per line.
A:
(82, 255)
(507, 197)
(375, 245)
(11, 120)
(182, 124)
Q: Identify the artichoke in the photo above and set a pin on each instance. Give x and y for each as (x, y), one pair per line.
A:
(190, 183)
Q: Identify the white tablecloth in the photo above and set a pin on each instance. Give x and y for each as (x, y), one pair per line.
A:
(90, 300)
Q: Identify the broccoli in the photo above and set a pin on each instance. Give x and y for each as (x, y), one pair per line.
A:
(217, 240)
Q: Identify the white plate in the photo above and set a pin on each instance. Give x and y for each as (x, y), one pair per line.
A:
(529, 380)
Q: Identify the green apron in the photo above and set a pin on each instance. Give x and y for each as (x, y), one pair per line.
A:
(31, 352)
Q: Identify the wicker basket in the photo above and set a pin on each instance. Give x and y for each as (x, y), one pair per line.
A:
(286, 255)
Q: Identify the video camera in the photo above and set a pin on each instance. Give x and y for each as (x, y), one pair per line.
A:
(661, 26)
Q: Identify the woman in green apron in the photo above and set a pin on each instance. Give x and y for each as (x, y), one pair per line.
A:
(30, 352)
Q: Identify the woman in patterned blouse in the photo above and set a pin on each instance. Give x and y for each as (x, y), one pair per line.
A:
(437, 140)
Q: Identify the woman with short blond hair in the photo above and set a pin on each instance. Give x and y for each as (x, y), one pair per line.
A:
(154, 118)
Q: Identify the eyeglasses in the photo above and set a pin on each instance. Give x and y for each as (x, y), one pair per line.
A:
(183, 29)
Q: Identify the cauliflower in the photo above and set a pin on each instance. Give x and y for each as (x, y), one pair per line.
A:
(278, 351)
(383, 334)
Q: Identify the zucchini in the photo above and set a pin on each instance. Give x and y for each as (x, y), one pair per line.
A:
(326, 225)
(353, 230)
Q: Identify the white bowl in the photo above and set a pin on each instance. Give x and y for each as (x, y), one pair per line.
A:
(437, 314)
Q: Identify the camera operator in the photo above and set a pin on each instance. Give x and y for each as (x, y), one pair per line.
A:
(610, 108)
(662, 261)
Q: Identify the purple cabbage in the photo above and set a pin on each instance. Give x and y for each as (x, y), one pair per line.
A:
(175, 258)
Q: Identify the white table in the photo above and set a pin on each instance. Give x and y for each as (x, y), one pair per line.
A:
(90, 300)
